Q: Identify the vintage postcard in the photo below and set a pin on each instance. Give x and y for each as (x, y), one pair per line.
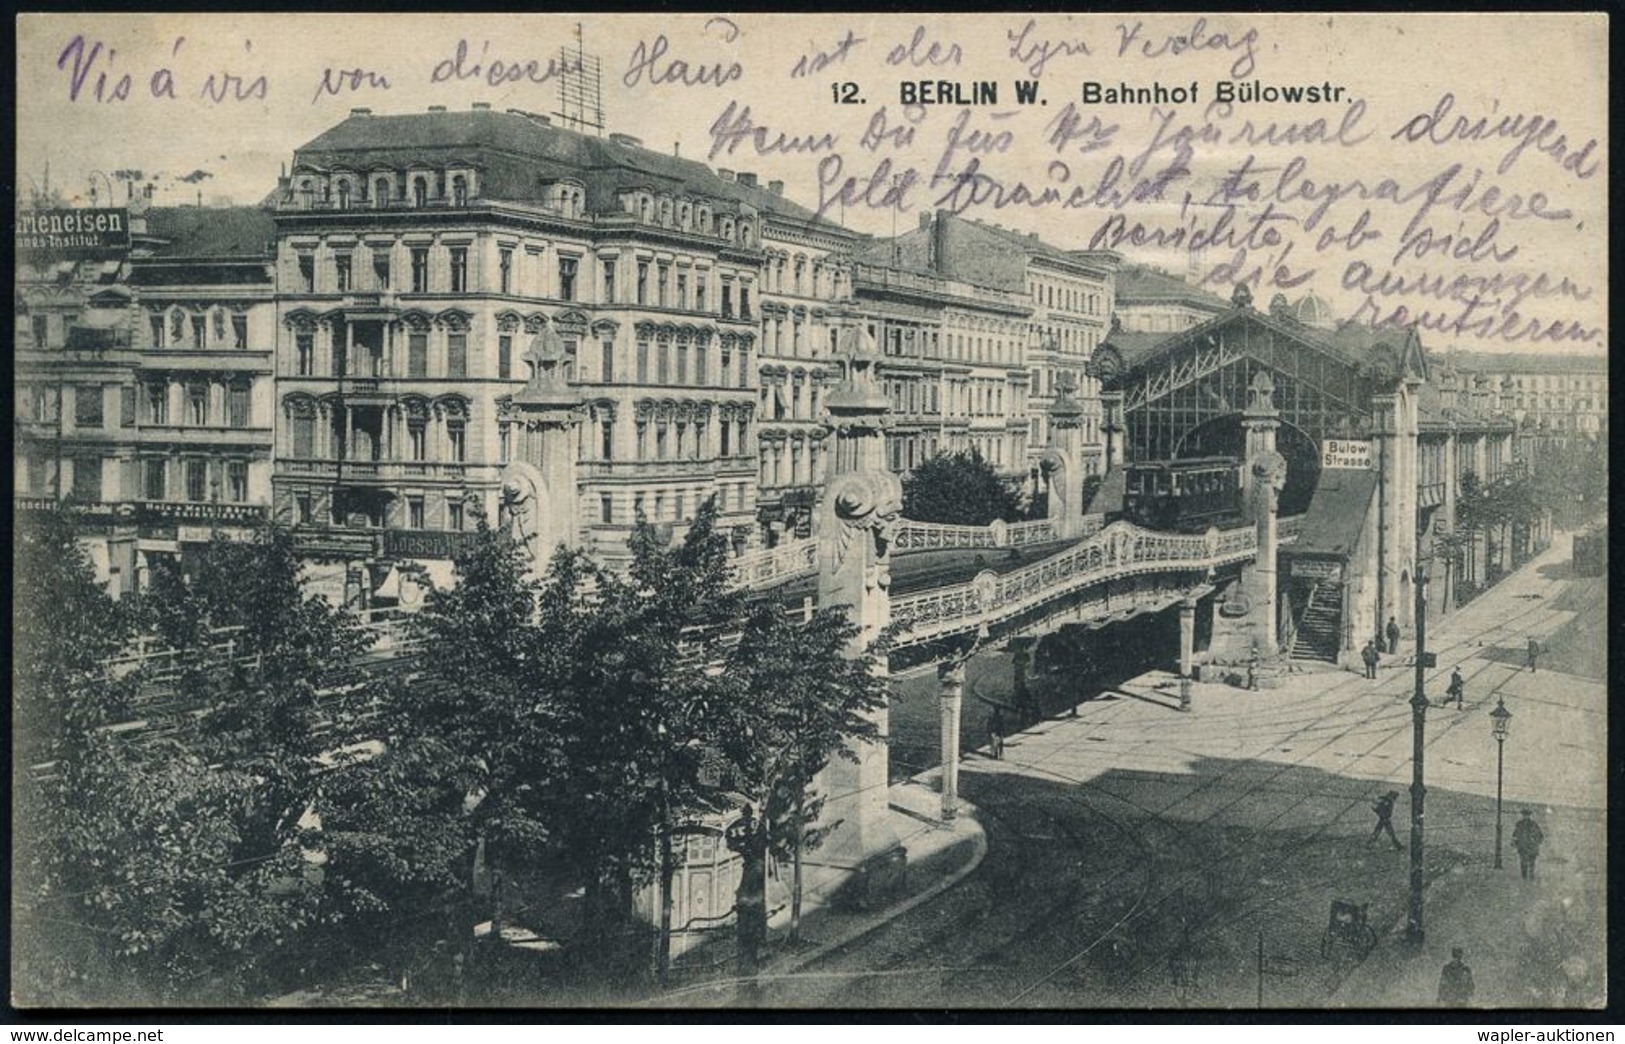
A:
(989, 511)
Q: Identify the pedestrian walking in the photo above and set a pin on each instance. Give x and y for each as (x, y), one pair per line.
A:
(1527, 837)
(1369, 655)
(1456, 982)
(1392, 631)
(1534, 651)
(995, 733)
(1384, 808)
(1457, 689)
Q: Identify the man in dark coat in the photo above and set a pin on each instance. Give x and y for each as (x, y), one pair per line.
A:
(1534, 651)
(1457, 690)
(1384, 808)
(995, 733)
(1456, 982)
(1392, 631)
(1527, 837)
(1369, 656)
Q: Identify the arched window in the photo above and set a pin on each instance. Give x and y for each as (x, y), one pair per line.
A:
(644, 208)
(420, 192)
(380, 193)
(344, 194)
(459, 191)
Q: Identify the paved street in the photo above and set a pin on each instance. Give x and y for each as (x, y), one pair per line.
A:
(1139, 856)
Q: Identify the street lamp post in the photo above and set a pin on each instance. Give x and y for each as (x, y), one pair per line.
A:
(1414, 930)
(1500, 717)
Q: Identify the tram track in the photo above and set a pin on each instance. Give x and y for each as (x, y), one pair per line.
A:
(1144, 904)
(1160, 815)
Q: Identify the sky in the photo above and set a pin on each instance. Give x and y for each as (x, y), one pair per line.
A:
(1421, 104)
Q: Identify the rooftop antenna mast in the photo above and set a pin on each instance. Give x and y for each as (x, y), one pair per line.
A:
(581, 93)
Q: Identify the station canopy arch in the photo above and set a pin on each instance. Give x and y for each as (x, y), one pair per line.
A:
(1175, 383)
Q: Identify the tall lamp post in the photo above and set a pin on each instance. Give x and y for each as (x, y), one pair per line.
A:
(1414, 931)
(1500, 718)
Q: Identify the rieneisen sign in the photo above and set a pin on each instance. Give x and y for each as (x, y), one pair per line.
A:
(69, 234)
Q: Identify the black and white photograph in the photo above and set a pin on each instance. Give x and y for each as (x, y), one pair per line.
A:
(999, 512)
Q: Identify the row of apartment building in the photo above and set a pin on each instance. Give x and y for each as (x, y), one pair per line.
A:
(343, 357)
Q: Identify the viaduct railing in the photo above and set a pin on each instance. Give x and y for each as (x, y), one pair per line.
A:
(772, 566)
(1117, 551)
(1120, 550)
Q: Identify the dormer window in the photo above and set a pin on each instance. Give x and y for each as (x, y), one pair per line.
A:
(645, 207)
(344, 195)
(705, 220)
(685, 214)
(665, 212)
(420, 192)
(381, 193)
(744, 234)
(459, 191)
(727, 229)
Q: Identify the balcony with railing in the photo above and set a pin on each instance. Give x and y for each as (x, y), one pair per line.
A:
(374, 470)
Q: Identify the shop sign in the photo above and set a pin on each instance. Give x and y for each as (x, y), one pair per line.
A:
(69, 234)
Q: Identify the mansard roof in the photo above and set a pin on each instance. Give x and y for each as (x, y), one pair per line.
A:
(520, 153)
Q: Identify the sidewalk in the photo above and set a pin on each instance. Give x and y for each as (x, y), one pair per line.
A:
(940, 855)
(1530, 944)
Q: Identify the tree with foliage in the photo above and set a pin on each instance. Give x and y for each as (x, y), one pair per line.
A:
(641, 704)
(257, 653)
(132, 882)
(468, 751)
(959, 489)
(802, 702)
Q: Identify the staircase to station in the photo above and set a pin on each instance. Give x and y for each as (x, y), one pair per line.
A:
(1319, 629)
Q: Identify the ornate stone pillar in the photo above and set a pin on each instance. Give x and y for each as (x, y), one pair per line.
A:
(540, 475)
(1112, 428)
(1263, 474)
(859, 510)
(1062, 462)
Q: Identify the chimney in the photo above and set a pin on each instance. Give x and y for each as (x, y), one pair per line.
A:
(360, 112)
(939, 246)
(481, 106)
(776, 187)
(437, 108)
(925, 221)
(747, 178)
(626, 139)
(725, 174)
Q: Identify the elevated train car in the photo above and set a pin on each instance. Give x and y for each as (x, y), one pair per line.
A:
(1183, 496)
